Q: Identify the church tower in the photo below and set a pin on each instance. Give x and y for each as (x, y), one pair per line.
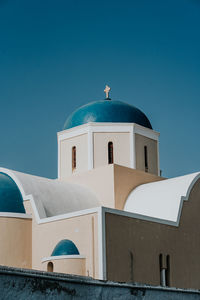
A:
(107, 132)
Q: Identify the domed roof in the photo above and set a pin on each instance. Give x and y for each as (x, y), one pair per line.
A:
(107, 111)
(65, 247)
(10, 197)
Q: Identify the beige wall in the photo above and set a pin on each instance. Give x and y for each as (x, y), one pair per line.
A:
(152, 153)
(81, 230)
(113, 183)
(100, 181)
(15, 241)
(81, 143)
(133, 247)
(126, 179)
(121, 146)
(75, 266)
(121, 149)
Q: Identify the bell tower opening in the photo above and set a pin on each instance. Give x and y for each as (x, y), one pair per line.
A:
(146, 159)
(73, 158)
(110, 153)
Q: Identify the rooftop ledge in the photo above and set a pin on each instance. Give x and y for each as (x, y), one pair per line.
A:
(15, 215)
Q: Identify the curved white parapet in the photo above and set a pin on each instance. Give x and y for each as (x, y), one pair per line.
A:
(77, 256)
(163, 199)
(53, 197)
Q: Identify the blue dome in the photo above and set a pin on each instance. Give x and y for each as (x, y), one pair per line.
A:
(107, 111)
(65, 247)
(10, 197)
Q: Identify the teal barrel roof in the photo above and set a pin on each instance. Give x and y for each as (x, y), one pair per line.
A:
(107, 111)
(65, 247)
(10, 197)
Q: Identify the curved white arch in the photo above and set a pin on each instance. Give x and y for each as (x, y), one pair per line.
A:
(52, 197)
(15, 179)
(163, 199)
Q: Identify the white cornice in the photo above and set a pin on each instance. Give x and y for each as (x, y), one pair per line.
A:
(77, 256)
(107, 127)
(150, 133)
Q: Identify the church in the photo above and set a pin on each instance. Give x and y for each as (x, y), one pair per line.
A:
(109, 214)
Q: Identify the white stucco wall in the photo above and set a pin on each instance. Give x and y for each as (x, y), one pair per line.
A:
(162, 199)
(121, 148)
(53, 197)
(81, 144)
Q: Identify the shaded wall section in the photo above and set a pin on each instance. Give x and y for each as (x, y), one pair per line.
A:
(127, 179)
(133, 247)
(28, 284)
(152, 154)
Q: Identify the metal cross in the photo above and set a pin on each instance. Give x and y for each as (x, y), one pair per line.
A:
(107, 90)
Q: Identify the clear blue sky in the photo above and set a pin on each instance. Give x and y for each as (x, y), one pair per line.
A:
(58, 55)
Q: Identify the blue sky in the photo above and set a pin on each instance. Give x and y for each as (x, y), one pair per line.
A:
(58, 55)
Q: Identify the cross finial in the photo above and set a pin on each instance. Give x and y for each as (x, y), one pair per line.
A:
(107, 90)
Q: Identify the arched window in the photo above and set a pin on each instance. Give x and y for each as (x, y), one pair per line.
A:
(110, 153)
(146, 159)
(73, 158)
(131, 266)
(168, 271)
(50, 267)
(164, 261)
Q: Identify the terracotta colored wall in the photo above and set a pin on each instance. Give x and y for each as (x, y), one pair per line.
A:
(121, 148)
(15, 241)
(81, 143)
(140, 142)
(133, 247)
(81, 230)
(75, 266)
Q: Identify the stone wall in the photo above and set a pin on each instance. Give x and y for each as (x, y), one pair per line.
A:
(29, 284)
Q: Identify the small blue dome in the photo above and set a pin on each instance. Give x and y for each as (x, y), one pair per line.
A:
(107, 111)
(10, 197)
(65, 247)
